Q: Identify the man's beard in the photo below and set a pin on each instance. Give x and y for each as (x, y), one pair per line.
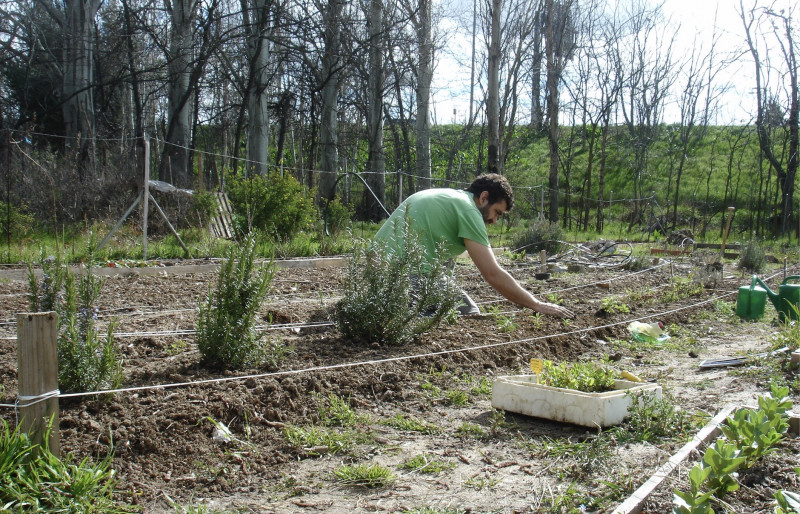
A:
(485, 213)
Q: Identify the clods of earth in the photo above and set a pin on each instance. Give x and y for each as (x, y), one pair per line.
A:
(184, 435)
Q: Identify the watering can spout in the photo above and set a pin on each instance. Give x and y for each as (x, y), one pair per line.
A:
(773, 296)
(786, 300)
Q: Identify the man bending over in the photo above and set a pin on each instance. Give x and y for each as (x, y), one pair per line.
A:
(455, 221)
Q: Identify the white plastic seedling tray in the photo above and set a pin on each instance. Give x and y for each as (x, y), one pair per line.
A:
(521, 394)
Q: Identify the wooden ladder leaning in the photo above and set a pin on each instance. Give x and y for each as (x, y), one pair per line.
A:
(221, 224)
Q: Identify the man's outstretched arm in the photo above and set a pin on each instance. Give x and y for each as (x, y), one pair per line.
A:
(506, 285)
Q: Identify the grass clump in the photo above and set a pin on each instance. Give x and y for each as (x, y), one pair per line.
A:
(370, 476)
(32, 479)
(226, 327)
(425, 463)
(391, 298)
(86, 362)
(337, 412)
(411, 424)
(315, 440)
(471, 430)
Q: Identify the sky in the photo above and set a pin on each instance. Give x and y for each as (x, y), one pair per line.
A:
(697, 23)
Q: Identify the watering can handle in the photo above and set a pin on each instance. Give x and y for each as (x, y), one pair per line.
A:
(793, 277)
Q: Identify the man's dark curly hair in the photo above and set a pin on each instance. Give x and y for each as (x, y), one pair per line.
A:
(497, 186)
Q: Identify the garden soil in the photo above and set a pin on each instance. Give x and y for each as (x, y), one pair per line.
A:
(162, 428)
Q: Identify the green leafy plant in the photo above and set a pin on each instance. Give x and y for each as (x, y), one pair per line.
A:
(541, 235)
(754, 433)
(86, 363)
(481, 387)
(226, 327)
(278, 205)
(652, 419)
(337, 216)
(370, 476)
(577, 459)
(204, 206)
(15, 220)
(316, 440)
(470, 430)
(681, 289)
(748, 435)
(391, 298)
(612, 305)
(457, 397)
(32, 479)
(787, 502)
(723, 459)
(696, 500)
(504, 323)
(582, 376)
(46, 294)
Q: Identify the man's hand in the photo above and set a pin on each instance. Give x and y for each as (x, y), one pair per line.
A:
(552, 309)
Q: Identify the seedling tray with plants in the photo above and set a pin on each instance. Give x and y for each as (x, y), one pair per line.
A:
(522, 394)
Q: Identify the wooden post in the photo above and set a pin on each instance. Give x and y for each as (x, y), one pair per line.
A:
(37, 360)
(727, 228)
(146, 208)
(543, 260)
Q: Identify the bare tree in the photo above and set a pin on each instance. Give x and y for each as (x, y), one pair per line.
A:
(779, 30)
(423, 23)
(376, 161)
(559, 46)
(331, 73)
(258, 26)
(645, 60)
(493, 88)
(77, 23)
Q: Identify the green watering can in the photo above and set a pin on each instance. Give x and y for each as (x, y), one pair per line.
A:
(752, 299)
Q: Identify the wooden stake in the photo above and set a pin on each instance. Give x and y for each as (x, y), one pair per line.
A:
(37, 360)
(727, 228)
(146, 207)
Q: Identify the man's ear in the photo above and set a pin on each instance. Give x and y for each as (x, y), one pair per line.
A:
(484, 197)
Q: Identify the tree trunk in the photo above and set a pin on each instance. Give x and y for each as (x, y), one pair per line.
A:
(553, 75)
(76, 89)
(376, 160)
(176, 143)
(424, 78)
(329, 126)
(258, 29)
(493, 93)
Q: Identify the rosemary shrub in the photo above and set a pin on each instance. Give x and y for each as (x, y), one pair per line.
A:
(391, 298)
(86, 362)
(226, 327)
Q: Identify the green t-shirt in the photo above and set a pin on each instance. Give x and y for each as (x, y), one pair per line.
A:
(437, 215)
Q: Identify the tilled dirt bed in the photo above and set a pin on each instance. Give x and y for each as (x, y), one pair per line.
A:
(162, 437)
